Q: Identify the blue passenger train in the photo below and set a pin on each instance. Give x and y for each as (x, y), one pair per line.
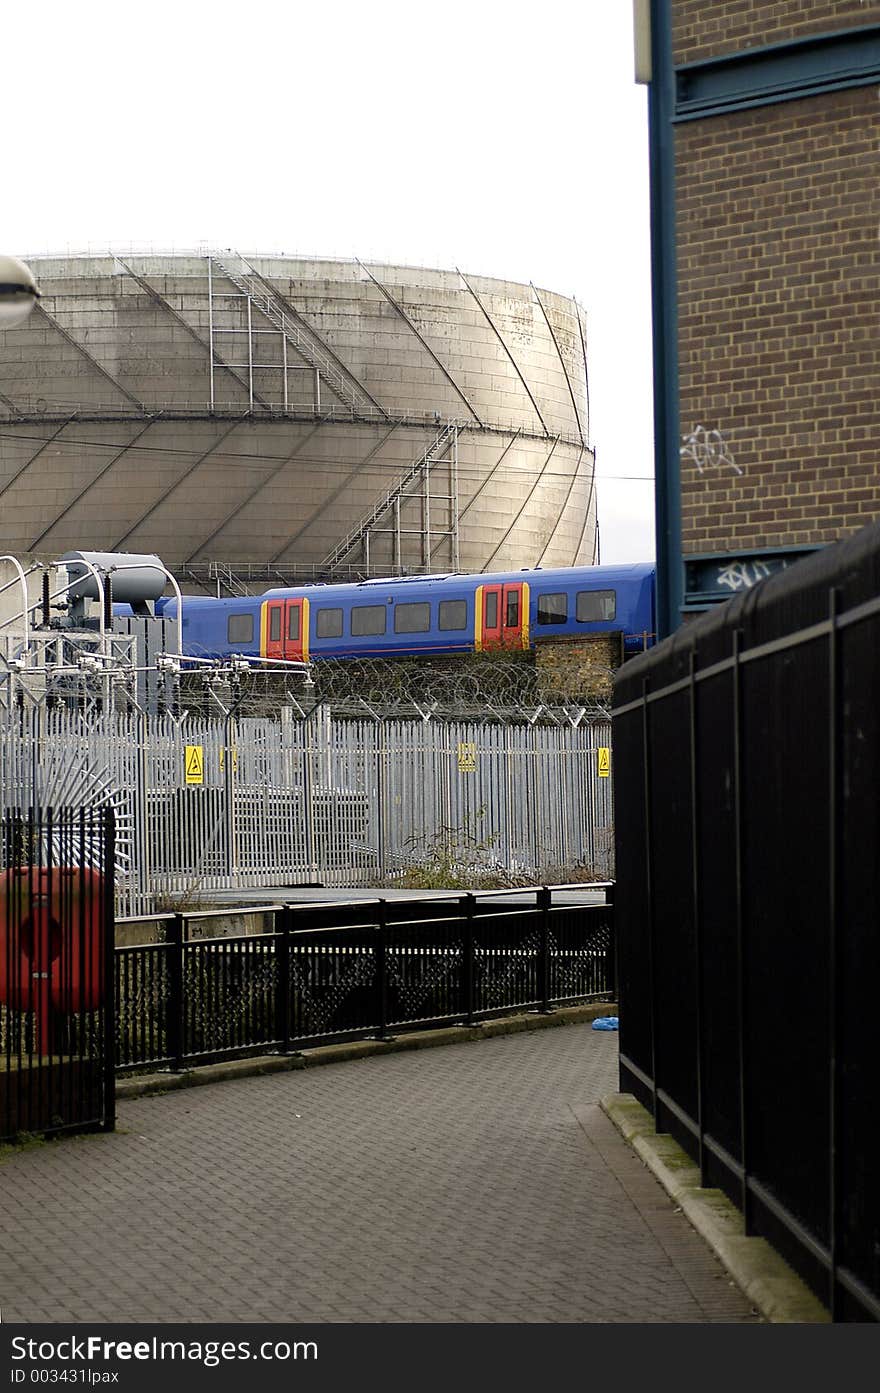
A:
(423, 615)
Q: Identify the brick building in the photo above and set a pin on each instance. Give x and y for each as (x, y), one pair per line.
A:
(765, 133)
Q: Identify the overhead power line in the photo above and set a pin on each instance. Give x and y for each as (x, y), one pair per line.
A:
(270, 461)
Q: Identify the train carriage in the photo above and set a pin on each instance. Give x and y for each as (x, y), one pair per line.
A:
(424, 615)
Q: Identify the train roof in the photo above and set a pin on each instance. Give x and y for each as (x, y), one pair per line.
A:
(608, 575)
(532, 574)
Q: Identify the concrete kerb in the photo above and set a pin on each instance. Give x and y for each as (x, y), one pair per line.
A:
(140, 1085)
(758, 1270)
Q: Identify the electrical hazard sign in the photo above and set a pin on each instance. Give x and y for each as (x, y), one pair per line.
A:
(604, 761)
(467, 756)
(194, 764)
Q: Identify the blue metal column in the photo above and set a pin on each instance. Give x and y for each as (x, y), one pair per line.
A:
(661, 109)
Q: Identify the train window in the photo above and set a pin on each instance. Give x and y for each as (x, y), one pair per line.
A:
(293, 619)
(328, 623)
(453, 614)
(240, 628)
(412, 618)
(511, 610)
(490, 620)
(552, 609)
(274, 623)
(367, 619)
(596, 605)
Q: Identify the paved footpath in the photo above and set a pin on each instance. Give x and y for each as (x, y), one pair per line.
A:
(473, 1182)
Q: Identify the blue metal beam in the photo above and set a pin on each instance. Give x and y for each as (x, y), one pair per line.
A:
(778, 73)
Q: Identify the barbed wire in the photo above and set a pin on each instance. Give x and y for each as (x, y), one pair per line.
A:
(504, 686)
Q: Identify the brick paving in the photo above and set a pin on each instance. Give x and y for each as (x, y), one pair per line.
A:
(474, 1182)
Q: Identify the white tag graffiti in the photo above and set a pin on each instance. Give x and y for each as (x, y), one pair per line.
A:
(742, 575)
(708, 449)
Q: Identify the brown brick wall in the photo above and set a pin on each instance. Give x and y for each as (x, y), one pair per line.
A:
(707, 29)
(578, 668)
(777, 227)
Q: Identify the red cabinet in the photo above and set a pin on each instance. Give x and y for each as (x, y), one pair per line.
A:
(52, 929)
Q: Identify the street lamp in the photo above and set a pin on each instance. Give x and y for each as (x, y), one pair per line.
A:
(18, 292)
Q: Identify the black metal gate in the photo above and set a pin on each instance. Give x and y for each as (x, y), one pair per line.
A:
(57, 1026)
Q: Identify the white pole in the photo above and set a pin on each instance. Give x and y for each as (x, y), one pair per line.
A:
(24, 596)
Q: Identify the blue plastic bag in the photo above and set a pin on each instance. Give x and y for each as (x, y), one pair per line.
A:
(605, 1023)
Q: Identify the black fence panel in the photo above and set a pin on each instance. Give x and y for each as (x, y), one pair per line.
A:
(143, 1000)
(747, 761)
(229, 991)
(633, 900)
(785, 929)
(669, 811)
(858, 886)
(581, 953)
(339, 971)
(426, 975)
(714, 840)
(507, 951)
(337, 986)
(56, 971)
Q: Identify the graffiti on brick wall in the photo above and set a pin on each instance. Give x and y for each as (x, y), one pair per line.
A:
(742, 575)
(711, 578)
(708, 449)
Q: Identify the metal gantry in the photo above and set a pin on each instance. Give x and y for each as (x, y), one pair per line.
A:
(414, 486)
(254, 311)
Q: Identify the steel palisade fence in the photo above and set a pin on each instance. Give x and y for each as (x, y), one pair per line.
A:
(748, 831)
(57, 1029)
(331, 972)
(206, 803)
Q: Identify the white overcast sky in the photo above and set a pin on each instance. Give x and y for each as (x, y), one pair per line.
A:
(506, 140)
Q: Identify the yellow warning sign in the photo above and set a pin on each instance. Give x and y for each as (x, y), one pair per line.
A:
(604, 761)
(234, 759)
(194, 764)
(467, 756)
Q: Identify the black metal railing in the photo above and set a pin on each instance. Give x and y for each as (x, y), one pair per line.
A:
(747, 759)
(56, 971)
(330, 972)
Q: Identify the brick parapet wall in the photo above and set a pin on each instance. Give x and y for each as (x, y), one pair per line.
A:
(778, 277)
(578, 667)
(701, 30)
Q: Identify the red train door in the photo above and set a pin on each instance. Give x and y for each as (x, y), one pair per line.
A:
(275, 629)
(512, 605)
(285, 630)
(489, 613)
(296, 622)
